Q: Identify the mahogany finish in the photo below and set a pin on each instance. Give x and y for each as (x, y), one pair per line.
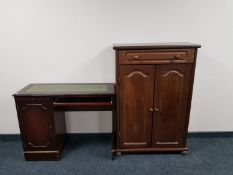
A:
(154, 90)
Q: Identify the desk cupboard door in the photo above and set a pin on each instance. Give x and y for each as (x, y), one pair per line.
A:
(172, 84)
(35, 123)
(136, 105)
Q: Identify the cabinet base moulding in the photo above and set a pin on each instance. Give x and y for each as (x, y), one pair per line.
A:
(42, 155)
(158, 150)
(46, 155)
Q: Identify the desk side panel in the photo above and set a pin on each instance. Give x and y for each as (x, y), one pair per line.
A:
(59, 129)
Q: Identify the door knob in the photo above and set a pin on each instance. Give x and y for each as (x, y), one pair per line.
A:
(156, 109)
(151, 109)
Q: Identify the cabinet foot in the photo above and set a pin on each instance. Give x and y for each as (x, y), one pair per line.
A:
(118, 153)
(113, 156)
(184, 152)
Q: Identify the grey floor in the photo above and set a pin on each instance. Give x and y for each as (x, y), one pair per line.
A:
(91, 155)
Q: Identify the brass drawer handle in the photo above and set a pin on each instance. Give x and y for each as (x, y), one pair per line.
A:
(134, 58)
(178, 56)
(39, 146)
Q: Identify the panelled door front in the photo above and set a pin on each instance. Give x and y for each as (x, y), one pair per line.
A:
(170, 104)
(35, 123)
(136, 105)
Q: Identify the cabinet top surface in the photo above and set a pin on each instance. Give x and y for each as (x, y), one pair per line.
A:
(66, 89)
(155, 45)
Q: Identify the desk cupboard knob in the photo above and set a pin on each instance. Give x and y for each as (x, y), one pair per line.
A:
(135, 57)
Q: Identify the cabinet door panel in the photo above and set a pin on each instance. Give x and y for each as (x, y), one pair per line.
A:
(35, 124)
(171, 101)
(136, 98)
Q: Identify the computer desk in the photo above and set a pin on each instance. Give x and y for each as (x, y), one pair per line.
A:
(41, 114)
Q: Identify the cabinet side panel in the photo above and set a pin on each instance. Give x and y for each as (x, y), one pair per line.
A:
(60, 129)
(59, 121)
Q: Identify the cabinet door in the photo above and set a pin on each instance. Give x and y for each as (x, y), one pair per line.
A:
(136, 99)
(172, 84)
(35, 123)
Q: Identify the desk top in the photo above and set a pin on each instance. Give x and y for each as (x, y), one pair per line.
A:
(66, 89)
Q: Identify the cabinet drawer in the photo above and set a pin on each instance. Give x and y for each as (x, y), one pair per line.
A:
(156, 56)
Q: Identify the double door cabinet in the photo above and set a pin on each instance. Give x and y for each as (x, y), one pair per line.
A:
(154, 90)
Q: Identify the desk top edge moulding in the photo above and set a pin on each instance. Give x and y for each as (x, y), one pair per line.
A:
(51, 89)
(154, 84)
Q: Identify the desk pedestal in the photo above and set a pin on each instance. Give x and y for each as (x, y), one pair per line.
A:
(42, 129)
(42, 121)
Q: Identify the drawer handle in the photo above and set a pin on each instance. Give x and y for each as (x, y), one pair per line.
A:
(134, 58)
(178, 56)
(39, 146)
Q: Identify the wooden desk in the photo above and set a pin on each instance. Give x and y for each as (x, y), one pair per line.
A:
(41, 107)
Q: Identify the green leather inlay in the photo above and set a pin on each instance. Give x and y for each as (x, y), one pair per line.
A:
(66, 88)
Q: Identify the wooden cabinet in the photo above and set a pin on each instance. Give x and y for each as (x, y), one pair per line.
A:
(154, 89)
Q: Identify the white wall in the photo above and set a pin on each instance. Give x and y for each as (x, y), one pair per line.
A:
(71, 41)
